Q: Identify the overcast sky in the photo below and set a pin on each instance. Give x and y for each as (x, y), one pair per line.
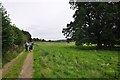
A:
(43, 18)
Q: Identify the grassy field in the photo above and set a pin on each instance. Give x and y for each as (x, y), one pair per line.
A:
(62, 60)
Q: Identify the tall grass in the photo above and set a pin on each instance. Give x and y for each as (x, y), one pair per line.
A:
(15, 69)
(62, 60)
(9, 55)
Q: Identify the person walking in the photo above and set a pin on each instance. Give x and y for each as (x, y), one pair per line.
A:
(26, 46)
(30, 46)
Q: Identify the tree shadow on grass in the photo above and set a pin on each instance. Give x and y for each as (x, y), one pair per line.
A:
(94, 48)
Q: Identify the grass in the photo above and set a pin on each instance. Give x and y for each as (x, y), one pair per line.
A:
(9, 55)
(62, 60)
(15, 69)
(0, 63)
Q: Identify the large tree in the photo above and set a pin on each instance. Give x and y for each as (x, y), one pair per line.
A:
(97, 23)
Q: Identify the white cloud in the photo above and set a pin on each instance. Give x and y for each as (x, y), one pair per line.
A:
(43, 18)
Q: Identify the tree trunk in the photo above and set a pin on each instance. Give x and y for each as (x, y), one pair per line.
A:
(99, 43)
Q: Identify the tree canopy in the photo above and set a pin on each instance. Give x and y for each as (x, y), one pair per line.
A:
(11, 35)
(95, 22)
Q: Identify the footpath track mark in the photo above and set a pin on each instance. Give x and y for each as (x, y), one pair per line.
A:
(6, 66)
(27, 69)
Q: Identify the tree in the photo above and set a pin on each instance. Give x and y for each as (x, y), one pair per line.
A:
(11, 35)
(94, 23)
(27, 35)
(7, 31)
(19, 36)
(43, 40)
(69, 40)
(36, 39)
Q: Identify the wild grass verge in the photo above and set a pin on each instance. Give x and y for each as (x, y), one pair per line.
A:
(15, 69)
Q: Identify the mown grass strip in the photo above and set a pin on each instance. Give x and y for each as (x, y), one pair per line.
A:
(15, 69)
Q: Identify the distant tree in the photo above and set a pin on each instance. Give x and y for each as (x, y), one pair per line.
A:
(19, 36)
(27, 35)
(97, 23)
(43, 40)
(69, 40)
(49, 41)
(36, 39)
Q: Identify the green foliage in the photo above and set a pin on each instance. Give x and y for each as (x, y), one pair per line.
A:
(62, 60)
(95, 23)
(27, 35)
(36, 39)
(12, 37)
(19, 36)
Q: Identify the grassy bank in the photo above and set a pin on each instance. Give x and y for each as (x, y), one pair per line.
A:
(15, 69)
(0, 62)
(62, 60)
(9, 55)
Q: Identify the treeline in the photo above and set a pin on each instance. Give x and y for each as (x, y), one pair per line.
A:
(68, 40)
(95, 23)
(37, 39)
(12, 37)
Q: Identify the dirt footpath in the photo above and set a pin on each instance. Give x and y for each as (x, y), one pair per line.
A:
(27, 69)
(6, 66)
